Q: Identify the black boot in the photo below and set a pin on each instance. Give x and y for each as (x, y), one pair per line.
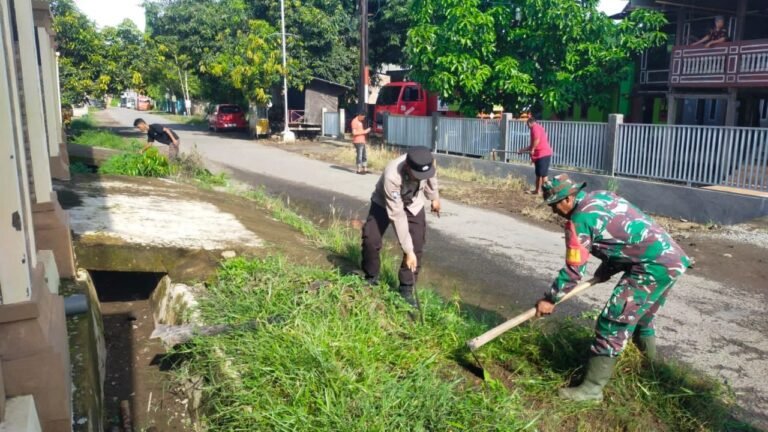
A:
(409, 295)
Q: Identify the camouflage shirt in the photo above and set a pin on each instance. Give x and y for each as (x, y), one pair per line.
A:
(620, 234)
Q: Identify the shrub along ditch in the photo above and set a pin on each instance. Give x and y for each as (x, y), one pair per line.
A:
(330, 353)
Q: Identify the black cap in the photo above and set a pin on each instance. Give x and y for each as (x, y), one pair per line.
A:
(421, 162)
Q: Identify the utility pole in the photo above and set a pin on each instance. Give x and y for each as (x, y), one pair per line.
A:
(288, 136)
(362, 98)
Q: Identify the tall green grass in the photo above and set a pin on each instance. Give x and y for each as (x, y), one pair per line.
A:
(329, 353)
(81, 124)
(106, 139)
(148, 164)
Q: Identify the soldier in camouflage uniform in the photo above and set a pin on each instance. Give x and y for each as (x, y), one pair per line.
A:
(626, 240)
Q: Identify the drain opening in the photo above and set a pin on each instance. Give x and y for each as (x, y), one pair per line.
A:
(113, 286)
(128, 323)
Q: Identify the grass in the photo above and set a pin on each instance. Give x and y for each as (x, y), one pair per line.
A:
(329, 353)
(189, 167)
(79, 168)
(106, 139)
(194, 120)
(148, 164)
(79, 125)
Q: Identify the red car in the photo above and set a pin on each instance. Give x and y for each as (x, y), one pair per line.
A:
(227, 116)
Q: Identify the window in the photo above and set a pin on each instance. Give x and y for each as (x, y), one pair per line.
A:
(229, 109)
(411, 94)
(388, 95)
(712, 109)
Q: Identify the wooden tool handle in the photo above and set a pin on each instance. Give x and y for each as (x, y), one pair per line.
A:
(502, 328)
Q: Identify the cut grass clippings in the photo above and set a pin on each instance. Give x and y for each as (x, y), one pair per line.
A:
(330, 353)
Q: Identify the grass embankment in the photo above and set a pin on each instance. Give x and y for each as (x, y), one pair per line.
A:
(84, 131)
(329, 353)
(189, 167)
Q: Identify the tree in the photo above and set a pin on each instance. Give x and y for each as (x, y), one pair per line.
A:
(212, 34)
(253, 64)
(83, 69)
(388, 32)
(523, 54)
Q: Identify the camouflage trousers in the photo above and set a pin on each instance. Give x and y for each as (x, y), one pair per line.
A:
(633, 306)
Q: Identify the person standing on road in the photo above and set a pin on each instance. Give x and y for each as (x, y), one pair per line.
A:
(359, 133)
(541, 152)
(399, 199)
(161, 134)
(626, 240)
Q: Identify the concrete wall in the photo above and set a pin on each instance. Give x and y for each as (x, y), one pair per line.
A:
(33, 337)
(694, 204)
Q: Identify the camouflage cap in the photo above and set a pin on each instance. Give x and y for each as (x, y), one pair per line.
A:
(559, 188)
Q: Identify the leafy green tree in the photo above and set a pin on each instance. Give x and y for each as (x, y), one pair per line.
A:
(387, 33)
(253, 64)
(525, 53)
(83, 68)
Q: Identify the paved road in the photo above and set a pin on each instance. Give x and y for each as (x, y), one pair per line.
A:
(501, 263)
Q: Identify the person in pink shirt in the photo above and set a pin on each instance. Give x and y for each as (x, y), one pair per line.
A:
(358, 139)
(540, 151)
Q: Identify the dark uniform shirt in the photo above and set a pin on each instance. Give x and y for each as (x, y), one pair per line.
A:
(156, 133)
(716, 34)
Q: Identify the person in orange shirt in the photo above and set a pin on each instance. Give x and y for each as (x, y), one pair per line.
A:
(358, 139)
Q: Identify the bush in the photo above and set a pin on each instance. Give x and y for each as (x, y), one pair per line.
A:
(148, 164)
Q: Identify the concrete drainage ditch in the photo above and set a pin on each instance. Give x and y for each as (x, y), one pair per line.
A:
(120, 370)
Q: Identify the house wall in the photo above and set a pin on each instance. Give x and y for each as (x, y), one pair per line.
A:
(36, 245)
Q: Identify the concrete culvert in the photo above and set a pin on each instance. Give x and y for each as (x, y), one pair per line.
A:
(132, 375)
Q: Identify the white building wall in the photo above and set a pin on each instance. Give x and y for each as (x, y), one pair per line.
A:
(15, 216)
(33, 106)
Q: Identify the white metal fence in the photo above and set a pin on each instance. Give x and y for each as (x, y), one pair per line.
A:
(409, 131)
(574, 144)
(331, 124)
(468, 136)
(693, 155)
(710, 155)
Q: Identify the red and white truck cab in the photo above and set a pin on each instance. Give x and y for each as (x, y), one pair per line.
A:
(404, 98)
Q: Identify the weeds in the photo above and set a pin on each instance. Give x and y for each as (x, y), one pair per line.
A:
(81, 124)
(79, 168)
(148, 164)
(613, 185)
(106, 139)
(190, 167)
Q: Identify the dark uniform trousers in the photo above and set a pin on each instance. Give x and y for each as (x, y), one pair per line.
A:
(373, 230)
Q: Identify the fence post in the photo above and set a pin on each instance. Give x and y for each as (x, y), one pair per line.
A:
(322, 121)
(611, 142)
(342, 122)
(435, 123)
(385, 126)
(505, 119)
